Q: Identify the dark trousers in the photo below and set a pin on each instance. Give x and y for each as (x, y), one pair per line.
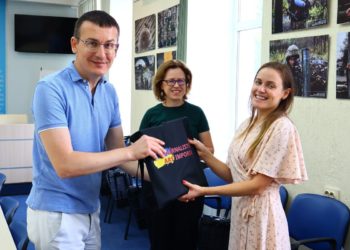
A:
(175, 227)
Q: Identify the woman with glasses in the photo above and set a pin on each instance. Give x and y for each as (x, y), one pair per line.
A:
(175, 226)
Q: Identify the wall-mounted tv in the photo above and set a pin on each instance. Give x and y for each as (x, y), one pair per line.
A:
(43, 34)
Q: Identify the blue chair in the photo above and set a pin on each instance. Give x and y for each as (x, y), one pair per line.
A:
(9, 206)
(284, 196)
(217, 202)
(317, 222)
(2, 180)
(19, 234)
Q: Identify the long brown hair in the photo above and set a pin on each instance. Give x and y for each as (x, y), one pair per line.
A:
(283, 108)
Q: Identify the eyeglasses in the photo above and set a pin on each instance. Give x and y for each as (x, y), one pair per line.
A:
(172, 82)
(94, 45)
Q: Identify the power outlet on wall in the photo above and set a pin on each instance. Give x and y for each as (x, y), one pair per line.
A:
(332, 192)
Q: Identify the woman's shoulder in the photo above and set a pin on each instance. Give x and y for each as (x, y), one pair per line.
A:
(192, 107)
(284, 124)
(283, 121)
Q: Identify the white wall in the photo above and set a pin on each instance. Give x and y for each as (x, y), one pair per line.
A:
(120, 72)
(210, 56)
(23, 69)
(141, 100)
(322, 123)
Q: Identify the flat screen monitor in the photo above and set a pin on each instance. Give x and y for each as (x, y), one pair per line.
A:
(43, 34)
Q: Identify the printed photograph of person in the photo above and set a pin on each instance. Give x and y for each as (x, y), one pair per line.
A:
(343, 11)
(343, 66)
(144, 71)
(168, 26)
(145, 34)
(307, 58)
(289, 15)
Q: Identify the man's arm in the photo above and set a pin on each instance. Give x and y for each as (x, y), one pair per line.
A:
(70, 163)
(115, 139)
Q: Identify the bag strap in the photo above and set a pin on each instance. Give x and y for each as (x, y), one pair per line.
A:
(141, 166)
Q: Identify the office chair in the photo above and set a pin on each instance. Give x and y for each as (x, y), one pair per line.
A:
(214, 231)
(217, 202)
(2, 180)
(284, 196)
(118, 182)
(19, 234)
(9, 206)
(318, 222)
(136, 206)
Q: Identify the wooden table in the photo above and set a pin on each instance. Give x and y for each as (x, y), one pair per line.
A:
(5, 234)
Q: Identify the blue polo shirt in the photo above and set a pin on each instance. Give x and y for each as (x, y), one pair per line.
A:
(64, 100)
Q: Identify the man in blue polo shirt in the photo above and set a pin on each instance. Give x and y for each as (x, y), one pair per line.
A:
(78, 134)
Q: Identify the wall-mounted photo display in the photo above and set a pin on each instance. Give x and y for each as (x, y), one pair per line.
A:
(145, 34)
(308, 59)
(289, 15)
(343, 66)
(165, 56)
(168, 26)
(343, 15)
(144, 71)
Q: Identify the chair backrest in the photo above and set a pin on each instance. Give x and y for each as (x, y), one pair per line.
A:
(214, 180)
(2, 180)
(9, 206)
(284, 196)
(313, 216)
(19, 234)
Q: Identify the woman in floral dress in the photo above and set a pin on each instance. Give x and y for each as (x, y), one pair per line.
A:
(265, 153)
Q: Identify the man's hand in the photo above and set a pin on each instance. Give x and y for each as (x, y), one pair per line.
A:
(147, 146)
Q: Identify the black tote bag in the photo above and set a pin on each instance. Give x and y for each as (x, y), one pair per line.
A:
(181, 161)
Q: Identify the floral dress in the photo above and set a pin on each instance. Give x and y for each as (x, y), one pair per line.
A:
(259, 221)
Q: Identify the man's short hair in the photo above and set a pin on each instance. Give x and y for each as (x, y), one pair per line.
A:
(98, 17)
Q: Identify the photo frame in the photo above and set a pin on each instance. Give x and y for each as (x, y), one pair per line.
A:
(168, 27)
(145, 34)
(144, 71)
(290, 15)
(308, 59)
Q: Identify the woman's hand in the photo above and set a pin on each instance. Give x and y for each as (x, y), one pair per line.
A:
(203, 152)
(193, 192)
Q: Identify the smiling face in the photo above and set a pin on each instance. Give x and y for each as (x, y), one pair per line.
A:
(267, 91)
(91, 64)
(174, 95)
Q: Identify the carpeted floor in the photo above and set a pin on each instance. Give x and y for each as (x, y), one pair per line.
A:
(112, 233)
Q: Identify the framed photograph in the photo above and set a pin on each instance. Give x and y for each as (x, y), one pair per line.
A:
(145, 34)
(343, 14)
(168, 26)
(343, 66)
(165, 56)
(144, 71)
(289, 15)
(308, 59)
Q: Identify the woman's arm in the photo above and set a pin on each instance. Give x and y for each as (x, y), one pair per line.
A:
(219, 168)
(255, 186)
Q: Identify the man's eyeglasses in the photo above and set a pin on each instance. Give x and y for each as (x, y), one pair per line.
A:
(94, 45)
(172, 82)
